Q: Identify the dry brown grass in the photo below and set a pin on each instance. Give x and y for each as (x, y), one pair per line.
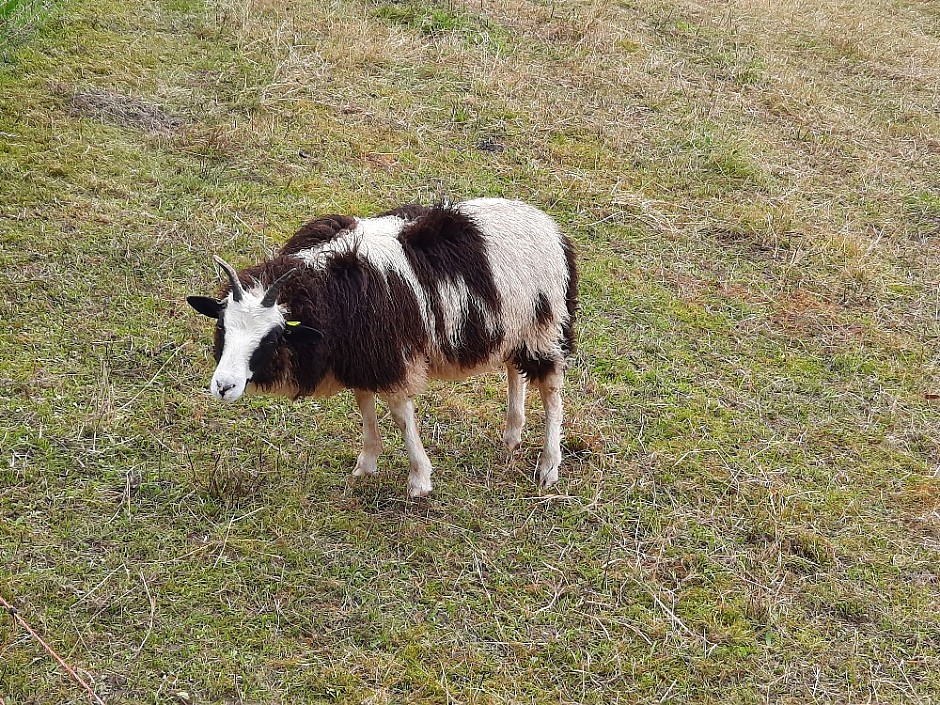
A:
(116, 109)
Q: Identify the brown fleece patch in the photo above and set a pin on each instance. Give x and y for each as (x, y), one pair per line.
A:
(543, 309)
(569, 343)
(316, 232)
(368, 326)
(444, 245)
(536, 366)
(409, 212)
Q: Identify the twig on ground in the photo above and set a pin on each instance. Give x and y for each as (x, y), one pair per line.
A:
(153, 609)
(22, 622)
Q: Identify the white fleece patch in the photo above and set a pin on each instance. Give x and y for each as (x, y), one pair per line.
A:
(526, 256)
(454, 303)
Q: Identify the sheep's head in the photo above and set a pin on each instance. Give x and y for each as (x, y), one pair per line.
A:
(250, 325)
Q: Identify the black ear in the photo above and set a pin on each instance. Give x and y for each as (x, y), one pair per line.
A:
(205, 305)
(299, 330)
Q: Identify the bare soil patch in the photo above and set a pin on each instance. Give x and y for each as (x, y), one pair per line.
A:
(117, 109)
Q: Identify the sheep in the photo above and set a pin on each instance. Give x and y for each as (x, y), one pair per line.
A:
(381, 305)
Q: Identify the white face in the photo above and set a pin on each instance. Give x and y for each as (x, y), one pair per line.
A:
(247, 326)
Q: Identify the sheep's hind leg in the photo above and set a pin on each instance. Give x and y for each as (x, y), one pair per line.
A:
(515, 409)
(419, 479)
(367, 463)
(550, 388)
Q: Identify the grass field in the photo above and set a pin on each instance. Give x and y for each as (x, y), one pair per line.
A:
(749, 508)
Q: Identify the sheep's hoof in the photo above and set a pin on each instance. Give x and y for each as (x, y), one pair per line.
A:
(512, 441)
(365, 467)
(548, 475)
(419, 487)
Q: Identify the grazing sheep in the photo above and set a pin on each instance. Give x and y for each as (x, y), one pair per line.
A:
(381, 305)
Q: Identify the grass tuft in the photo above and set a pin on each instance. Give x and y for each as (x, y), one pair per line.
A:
(434, 20)
(18, 19)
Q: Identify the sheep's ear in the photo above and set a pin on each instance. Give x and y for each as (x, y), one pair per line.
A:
(205, 305)
(298, 328)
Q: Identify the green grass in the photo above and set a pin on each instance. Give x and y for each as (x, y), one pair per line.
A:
(748, 509)
(436, 21)
(19, 19)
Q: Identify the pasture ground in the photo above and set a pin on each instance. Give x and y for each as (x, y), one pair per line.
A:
(749, 508)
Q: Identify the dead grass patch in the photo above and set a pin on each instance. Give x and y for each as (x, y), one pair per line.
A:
(802, 313)
(116, 108)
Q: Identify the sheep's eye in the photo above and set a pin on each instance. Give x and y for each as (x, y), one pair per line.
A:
(272, 338)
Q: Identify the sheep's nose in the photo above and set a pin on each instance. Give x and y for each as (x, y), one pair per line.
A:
(222, 388)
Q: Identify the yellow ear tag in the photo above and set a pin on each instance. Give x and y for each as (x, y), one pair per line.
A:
(293, 323)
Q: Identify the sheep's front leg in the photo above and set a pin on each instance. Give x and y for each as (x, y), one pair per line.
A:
(419, 479)
(550, 389)
(367, 463)
(515, 409)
